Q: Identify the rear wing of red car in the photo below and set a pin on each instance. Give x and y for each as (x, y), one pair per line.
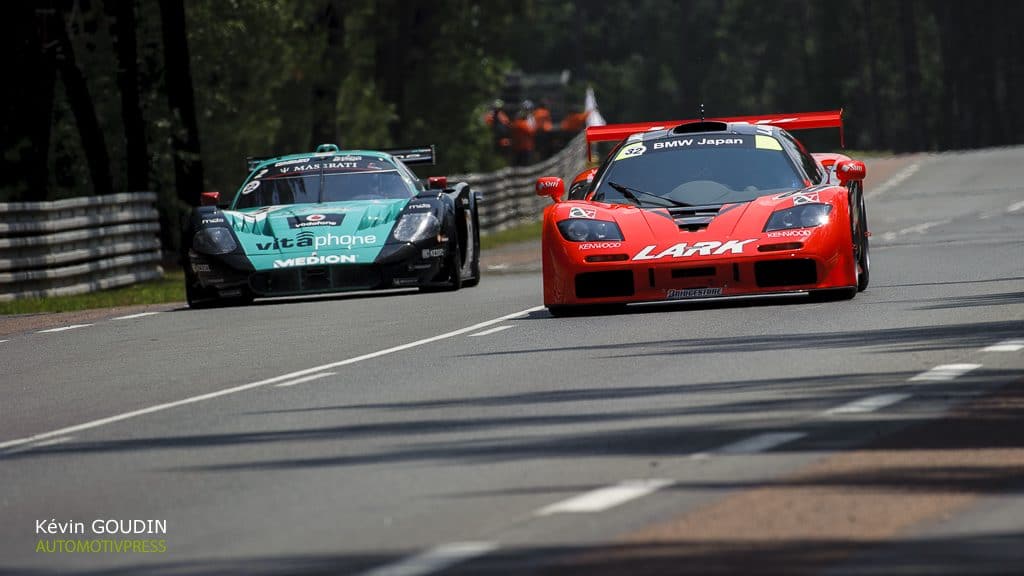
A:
(796, 121)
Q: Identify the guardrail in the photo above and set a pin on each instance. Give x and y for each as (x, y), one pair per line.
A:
(508, 197)
(78, 245)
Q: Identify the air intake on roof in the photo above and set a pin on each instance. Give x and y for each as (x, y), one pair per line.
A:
(700, 127)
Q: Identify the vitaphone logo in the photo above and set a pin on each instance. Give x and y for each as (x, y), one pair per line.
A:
(307, 239)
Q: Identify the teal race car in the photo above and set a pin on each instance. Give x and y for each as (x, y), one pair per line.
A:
(329, 221)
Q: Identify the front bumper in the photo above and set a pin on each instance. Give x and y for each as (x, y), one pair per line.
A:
(568, 280)
(400, 267)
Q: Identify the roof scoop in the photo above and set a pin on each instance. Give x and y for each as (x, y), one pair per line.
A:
(708, 126)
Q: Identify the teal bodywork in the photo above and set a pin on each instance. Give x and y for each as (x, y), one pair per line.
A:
(352, 232)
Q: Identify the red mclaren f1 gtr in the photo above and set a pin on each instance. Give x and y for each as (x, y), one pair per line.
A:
(703, 209)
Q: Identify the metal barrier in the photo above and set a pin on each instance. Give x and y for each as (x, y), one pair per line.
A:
(508, 194)
(78, 245)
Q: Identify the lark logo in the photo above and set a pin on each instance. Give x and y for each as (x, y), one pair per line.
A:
(684, 250)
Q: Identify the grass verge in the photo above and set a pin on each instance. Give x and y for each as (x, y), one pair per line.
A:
(520, 233)
(170, 288)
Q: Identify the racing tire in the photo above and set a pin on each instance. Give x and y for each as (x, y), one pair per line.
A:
(474, 261)
(864, 253)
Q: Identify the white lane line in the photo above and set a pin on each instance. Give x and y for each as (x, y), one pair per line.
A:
(753, 445)
(2, 341)
(869, 404)
(945, 372)
(895, 181)
(494, 330)
(274, 380)
(1004, 346)
(63, 328)
(915, 229)
(602, 499)
(1015, 207)
(139, 315)
(435, 559)
(305, 379)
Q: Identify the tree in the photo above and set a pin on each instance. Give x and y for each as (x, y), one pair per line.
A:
(123, 29)
(188, 163)
(93, 141)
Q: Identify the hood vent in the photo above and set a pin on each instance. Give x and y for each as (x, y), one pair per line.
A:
(694, 218)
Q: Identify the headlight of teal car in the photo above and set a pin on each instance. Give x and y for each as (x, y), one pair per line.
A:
(216, 240)
(416, 226)
(802, 216)
(587, 230)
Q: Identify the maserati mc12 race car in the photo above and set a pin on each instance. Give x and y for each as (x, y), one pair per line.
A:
(332, 220)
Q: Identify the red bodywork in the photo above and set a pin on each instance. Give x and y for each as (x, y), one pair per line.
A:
(659, 259)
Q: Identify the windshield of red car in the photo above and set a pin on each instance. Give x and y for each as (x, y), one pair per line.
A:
(701, 169)
(329, 179)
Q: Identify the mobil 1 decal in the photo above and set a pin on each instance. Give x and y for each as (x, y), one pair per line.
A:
(705, 141)
(315, 220)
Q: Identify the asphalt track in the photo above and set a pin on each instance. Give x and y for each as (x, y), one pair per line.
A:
(470, 432)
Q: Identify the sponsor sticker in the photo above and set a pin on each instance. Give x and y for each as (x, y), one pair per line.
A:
(675, 294)
(212, 221)
(805, 198)
(633, 150)
(250, 187)
(290, 162)
(577, 212)
(684, 250)
(200, 267)
(306, 239)
(432, 253)
(599, 245)
(315, 220)
(419, 206)
(766, 142)
(697, 142)
(315, 260)
(801, 233)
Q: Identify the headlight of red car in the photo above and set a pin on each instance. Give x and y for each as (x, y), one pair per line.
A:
(802, 216)
(587, 230)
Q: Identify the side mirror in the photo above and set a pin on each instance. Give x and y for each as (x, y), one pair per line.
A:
(551, 186)
(209, 199)
(437, 182)
(848, 170)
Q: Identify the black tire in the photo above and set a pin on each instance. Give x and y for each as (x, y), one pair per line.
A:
(864, 252)
(474, 261)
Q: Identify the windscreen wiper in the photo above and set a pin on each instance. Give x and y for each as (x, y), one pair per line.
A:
(631, 193)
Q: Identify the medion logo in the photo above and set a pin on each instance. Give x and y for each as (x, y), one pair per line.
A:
(307, 239)
(316, 260)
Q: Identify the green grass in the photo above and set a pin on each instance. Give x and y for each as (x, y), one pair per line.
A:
(520, 233)
(170, 288)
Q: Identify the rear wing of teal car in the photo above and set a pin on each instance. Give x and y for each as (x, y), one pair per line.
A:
(411, 156)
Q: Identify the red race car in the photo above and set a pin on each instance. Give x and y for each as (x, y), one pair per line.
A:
(704, 209)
